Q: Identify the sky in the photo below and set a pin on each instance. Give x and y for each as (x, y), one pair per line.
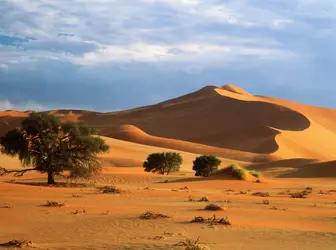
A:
(109, 55)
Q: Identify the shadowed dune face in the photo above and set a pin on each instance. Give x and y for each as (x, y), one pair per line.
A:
(313, 170)
(205, 117)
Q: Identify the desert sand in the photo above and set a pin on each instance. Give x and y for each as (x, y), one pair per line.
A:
(292, 144)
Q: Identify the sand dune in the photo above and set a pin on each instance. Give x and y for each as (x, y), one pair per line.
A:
(225, 121)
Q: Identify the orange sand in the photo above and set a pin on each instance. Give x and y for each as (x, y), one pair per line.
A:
(293, 145)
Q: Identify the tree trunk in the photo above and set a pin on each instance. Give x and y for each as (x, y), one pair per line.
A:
(51, 180)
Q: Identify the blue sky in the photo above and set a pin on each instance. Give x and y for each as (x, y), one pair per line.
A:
(110, 55)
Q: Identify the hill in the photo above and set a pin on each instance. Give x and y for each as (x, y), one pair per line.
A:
(225, 121)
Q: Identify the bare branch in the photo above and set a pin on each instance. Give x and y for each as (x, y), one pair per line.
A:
(17, 173)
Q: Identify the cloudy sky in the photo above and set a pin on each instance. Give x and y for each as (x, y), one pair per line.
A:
(111, 54)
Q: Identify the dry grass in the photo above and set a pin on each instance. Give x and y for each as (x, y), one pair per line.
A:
(192, 244)
(213, 207)
(300, 195)
(53, 204)
(204, 199)
(16, 244)
(149, 215)
(261, 194)
(109, 190)
(212, 220)
(266, 202)
(6, 206)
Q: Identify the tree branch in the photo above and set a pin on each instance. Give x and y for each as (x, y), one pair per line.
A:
(17, 173)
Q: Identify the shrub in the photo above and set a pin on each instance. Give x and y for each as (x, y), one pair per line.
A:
(206, 165)
(213, 207)
(149, 215)
(204, 199)
(299, 195)
(261, 194)
(192, 245)
(109, 190)
(163, 163)
(17, 244)
(53, 204)
(212, 220)
(237, 172)
(255, 173)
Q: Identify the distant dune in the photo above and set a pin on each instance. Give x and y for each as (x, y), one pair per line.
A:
(225, 121)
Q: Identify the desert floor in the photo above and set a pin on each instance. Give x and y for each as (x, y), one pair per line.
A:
(110, 221)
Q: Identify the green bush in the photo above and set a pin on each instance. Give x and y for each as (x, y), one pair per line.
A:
(255, 173)
(163, 163)
(238, 172)
(206, 165)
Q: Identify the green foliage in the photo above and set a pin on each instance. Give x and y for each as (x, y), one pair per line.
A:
(163, 163)
(238, 172)
(206, 165)
(256, 174)
(51, 146)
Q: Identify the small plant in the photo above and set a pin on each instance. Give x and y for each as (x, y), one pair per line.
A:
(17, 244)
(213, 207)
(204, 199)
(192, 244)
(261, 194)
(191, 198)
(212, 220)
(53, 204)
(299, 195)
(6, 206)
(149, 215)
(237, 172)
(109, 190)
(279, 209)
(265, 202)
(76, 195)
(230, 190)
(256, 174)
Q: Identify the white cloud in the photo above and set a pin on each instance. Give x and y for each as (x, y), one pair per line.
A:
(30, 105)
(3, 67)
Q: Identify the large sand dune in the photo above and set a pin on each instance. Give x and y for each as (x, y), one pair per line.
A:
(225, 121)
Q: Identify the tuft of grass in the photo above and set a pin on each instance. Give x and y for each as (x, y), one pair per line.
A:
(192, 244)
(212, 220)
(6, 206)
(53, 204)
(213, 207)
(17, 244)
(299, 195)
(238, 172)
(149, 215)
(109, 190)
(204, 199)
(261, 194)
(266, 202)
(256, 173)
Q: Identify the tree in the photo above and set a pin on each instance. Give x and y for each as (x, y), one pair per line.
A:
(205, 165)
(163, 163)
(53, 147)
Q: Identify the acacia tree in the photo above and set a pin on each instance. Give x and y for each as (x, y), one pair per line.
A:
(163, 163)
(205, 165)
(50, 146)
